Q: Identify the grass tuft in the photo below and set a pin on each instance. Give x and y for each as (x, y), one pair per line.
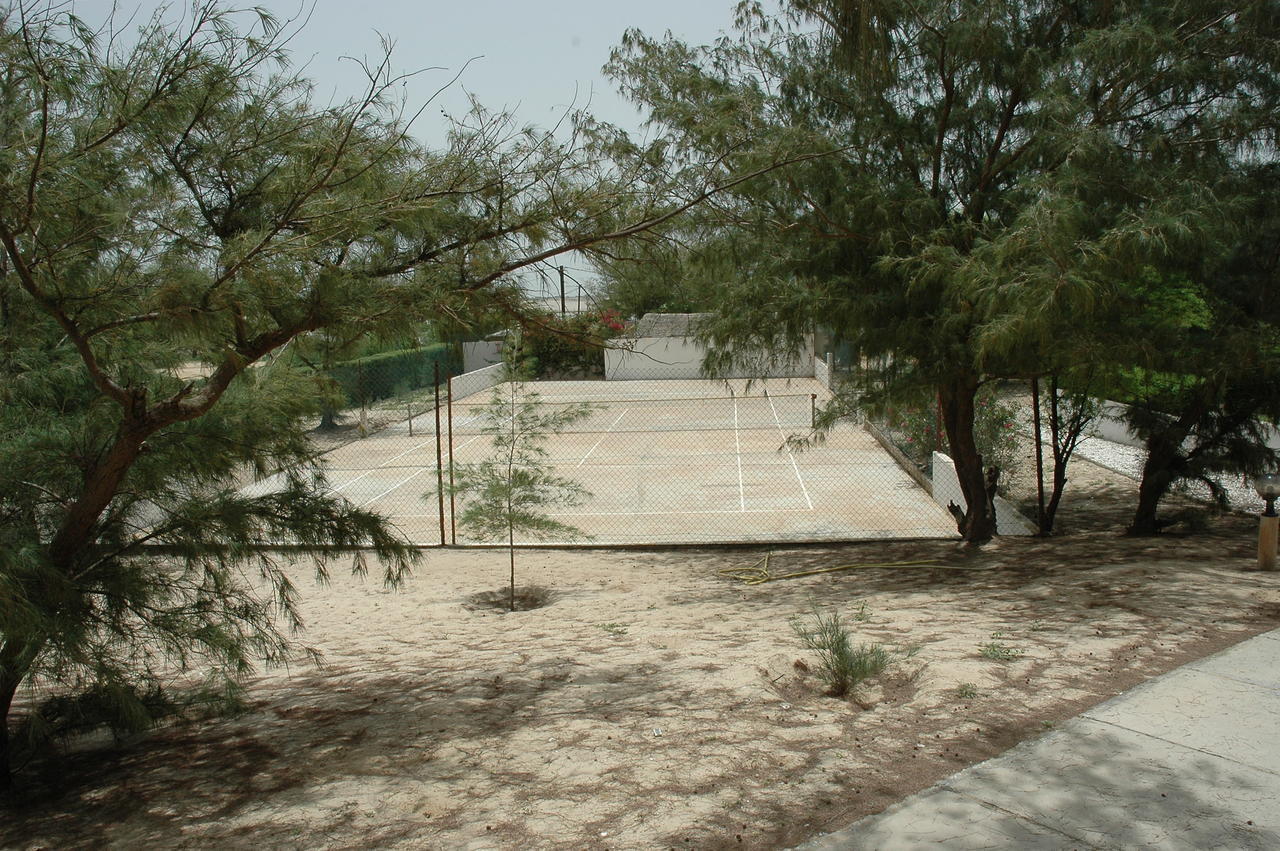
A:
(840, 665)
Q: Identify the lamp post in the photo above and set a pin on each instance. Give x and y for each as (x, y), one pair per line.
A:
(1268, 487)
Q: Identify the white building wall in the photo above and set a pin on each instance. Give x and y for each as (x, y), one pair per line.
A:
(681, 357)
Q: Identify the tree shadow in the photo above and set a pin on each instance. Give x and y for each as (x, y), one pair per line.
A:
(433, 725)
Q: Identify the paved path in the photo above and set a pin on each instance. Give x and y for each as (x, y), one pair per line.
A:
(1188, 760)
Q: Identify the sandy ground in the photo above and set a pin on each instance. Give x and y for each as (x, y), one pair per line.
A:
(654, 703)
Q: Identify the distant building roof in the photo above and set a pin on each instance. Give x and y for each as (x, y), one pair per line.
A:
(668, 324)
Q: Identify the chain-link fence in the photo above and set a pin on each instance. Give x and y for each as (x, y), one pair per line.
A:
(685, 461)
(626, 463)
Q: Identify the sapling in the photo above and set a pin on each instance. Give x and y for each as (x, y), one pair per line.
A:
(511, 490)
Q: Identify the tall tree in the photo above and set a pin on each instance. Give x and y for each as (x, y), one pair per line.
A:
(177, 197)
(971, 135)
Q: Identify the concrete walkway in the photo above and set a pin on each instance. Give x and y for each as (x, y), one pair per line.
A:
(1190, 759)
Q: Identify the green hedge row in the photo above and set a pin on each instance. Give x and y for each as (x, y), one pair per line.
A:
(391, 374)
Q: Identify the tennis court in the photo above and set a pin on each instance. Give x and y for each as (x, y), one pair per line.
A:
(665, 462)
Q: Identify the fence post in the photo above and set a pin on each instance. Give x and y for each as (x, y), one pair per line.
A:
(1035, 416)
(439, 460)
(453, 510)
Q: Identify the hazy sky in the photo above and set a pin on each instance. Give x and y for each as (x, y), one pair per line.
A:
(533, 58)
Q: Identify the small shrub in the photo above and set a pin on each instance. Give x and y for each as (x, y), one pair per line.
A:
(840, 665)
(998, 650)
(966, 691)
(613, 628)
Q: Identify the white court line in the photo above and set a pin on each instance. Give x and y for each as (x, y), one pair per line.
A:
(602, 437)
(675, 512)
(373, 470)
(737, 441)
(791, 454)
(387, 463)
(396, 486)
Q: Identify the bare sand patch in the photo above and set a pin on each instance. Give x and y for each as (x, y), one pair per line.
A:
(654, 702)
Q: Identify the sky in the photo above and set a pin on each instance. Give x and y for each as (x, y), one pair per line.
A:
(534, 59)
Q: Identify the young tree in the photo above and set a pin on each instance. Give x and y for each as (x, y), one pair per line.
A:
(510, 490)
(175, 197)
(1068, 412)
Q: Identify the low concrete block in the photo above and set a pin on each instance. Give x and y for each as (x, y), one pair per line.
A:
(946, 489)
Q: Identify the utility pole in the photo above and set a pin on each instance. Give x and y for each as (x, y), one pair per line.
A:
(562, 307)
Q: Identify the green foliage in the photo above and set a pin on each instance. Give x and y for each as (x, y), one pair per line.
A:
(997, 650)
(840, 665)
(569, 347)
(177, 197)
(999, 178)
(510, 491)
(387, 375)
(994, 430)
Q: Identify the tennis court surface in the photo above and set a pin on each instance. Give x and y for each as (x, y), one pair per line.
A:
(664, 462)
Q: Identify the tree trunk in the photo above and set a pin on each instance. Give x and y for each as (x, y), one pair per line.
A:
(328, 419)
(955, 398)
(1156, 479)
(1159, 471)
(14, 663)
(511, 549)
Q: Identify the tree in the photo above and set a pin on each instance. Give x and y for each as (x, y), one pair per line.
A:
(178, 197)
(509, 491)
(1204, 396)
(1070, 412)
(1001, 167)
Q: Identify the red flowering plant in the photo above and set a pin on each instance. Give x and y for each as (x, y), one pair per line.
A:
(570, 346)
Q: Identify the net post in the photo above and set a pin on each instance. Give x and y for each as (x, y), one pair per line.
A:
(813, 409)
(439, 459)
(453, 511)
(408, 409)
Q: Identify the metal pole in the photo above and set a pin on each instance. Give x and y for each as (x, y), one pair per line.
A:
(1035, 416)
(453, 510)
(439, 459)
(939, 427)
(813, 409)
(563, 310)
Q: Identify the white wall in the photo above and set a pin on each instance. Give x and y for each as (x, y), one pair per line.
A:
(681, 357)
(822, 370)
(469, 383)
(1110, 426)
(480, 354)
(946, 489)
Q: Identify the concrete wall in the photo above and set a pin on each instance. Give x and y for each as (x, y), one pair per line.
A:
(681, 357)
(822, 370)
(1110, 426)
(480, 354)
(469, 383)
(946, 489)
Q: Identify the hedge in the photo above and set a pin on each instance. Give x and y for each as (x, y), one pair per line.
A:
(391, 374)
